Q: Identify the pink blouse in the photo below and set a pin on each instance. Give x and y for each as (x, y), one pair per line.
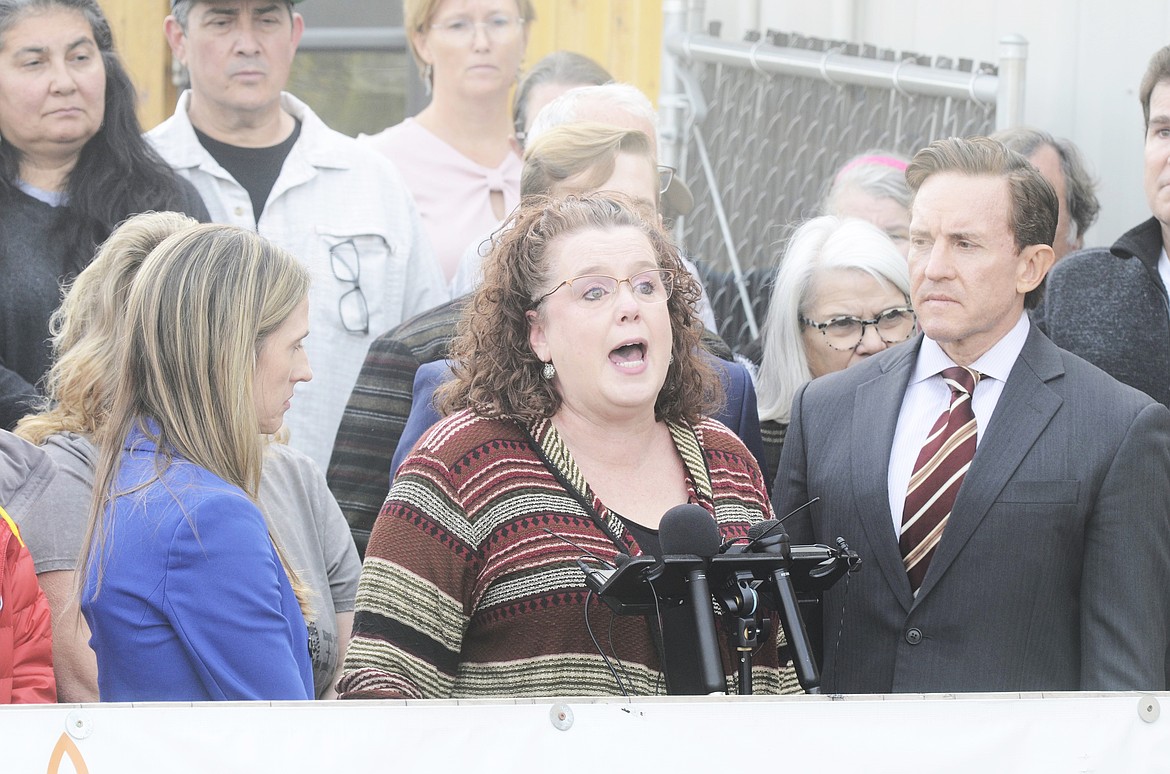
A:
(453, 193)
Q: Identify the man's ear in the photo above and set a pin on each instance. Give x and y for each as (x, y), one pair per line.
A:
(176, 38)
(536, 336)
(1035, 262)
(298, 29)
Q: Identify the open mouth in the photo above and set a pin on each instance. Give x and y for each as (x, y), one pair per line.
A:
(628, 355)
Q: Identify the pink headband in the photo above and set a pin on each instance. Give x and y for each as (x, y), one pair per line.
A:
(865, 161)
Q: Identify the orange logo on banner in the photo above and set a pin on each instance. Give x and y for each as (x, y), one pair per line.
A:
(65, 747)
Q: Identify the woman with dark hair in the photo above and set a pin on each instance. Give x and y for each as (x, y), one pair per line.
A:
(577, 417)
(73, 164)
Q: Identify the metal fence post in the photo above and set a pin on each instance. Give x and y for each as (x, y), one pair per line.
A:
(671, 99)
(1013, 64)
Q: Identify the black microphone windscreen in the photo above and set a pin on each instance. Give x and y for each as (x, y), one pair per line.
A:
(621, 560)
(689, 529)
(762, 528)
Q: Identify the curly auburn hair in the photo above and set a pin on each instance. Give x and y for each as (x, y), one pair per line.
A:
(496, 372)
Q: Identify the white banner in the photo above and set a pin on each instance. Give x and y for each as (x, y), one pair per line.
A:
(963, 733)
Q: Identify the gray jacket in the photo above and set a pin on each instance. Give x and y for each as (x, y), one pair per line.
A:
(1110, 307)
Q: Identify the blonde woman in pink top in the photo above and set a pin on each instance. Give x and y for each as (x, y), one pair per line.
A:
(458, 155)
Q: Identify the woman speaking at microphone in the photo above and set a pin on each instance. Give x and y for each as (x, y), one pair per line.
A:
(577, 413)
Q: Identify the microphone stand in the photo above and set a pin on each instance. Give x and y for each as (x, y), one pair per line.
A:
(789, 609)
(744, 628)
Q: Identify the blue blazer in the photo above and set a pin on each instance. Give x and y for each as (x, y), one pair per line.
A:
(739, 412)
(194, 604)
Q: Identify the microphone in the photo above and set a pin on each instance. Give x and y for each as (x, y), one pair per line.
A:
(689, 530)
(770, 537)
(753, 542)
(799, 508)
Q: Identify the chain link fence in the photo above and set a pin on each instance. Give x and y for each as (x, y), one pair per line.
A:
(765, 125)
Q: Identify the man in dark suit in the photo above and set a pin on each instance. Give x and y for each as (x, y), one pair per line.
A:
(1040, 561)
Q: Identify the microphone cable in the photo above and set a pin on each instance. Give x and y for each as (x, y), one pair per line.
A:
(613, 652)
(844, 598)
(659, 641)
(600, 651)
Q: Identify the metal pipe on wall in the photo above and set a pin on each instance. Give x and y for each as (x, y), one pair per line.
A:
(671, 98)
(836, 67)
(1013, 65)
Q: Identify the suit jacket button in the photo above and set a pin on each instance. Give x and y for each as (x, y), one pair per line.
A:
(914, 636)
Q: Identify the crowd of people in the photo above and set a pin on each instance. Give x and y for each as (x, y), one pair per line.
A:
(291, 415)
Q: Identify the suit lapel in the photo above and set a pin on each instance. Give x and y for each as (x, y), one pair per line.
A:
(1024, 409)
(876, 406)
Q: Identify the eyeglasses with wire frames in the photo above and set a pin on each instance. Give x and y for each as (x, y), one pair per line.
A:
(351, 307)
(498, 28)
(845, 333)
(653, 286)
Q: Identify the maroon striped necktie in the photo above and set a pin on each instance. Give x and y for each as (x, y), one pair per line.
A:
(938, 473)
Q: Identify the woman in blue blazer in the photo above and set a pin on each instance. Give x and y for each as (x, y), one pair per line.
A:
(185, 591)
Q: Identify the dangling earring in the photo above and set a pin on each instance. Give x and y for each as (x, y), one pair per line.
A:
(671, 361)
(427, 76)
(549, 371)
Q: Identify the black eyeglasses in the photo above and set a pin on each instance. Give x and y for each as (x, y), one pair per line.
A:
(845, 333)
(351, 307)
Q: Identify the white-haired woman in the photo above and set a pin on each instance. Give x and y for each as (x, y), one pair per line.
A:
(872, 186)
(842, 293)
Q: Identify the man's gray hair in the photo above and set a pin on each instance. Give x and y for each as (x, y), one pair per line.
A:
(1080, 188)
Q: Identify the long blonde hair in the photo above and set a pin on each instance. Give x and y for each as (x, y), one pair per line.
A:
(85, 330)
(198, 313)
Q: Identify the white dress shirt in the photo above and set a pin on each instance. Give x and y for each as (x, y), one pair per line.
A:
(928, 396)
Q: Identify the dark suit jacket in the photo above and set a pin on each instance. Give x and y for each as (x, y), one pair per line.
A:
(739, 412)
(1052, 573)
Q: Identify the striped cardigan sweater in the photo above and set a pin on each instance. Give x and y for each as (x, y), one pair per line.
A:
(465, 594)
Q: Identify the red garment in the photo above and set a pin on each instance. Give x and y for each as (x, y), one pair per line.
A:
(26, 651)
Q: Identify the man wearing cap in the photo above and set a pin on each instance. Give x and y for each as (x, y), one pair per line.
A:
(262, 160)
(1009, 499)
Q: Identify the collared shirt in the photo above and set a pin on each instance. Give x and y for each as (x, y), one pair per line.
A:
(927, 396)
(1163, 270)
(330, 190)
